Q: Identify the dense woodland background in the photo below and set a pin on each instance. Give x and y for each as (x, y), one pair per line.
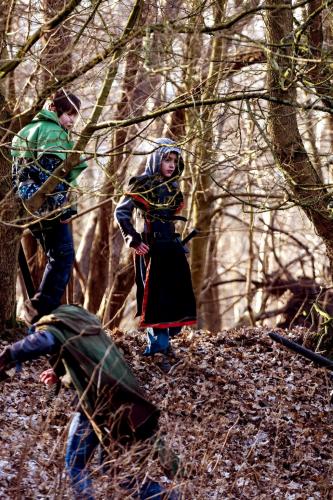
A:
(244, 87)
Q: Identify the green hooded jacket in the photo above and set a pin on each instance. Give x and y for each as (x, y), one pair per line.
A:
(44, 134)
(108, 392)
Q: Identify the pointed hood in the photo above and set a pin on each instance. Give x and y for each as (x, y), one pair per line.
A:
(162, 147)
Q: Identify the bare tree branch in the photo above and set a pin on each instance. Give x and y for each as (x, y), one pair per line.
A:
(53, 23)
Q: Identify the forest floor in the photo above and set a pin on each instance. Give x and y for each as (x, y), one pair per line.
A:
(247, 418)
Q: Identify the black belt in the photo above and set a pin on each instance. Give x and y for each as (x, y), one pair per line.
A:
(166, 218)
(158, 235)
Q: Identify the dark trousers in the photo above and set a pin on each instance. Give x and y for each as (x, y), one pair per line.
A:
(81, 444)
(57, 242)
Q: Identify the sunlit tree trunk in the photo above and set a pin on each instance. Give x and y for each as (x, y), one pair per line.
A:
(9, 209)
(104, 255)
(56, 62)
(122, 284)
(9, 236)
(83, 258)
(301, 177)
(210, 294)
(56, 57)
(203, 205)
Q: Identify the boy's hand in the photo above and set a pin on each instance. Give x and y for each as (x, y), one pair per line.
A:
(48, 377)
(141, 249)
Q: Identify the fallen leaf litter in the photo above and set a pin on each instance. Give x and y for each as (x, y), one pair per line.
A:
(247, 418)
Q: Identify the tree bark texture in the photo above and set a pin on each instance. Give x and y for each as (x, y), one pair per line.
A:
(9, 235)
(320, 73)
(56, 62)
(83, 258)
(56, 56)
(134, 95)
(122, 285)
(305, 186)
(203, 206)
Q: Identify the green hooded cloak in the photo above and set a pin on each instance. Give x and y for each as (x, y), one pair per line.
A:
(108, 392)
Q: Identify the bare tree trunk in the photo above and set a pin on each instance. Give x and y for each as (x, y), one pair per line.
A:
(9, 208)
(115, 171)
(116, 245)
(99, 260)
(122, 285)
(320, 73)
(83, 259)
(136, 88)
(203, 207)
(301, 177)
(210, 294)
(9, 236)
(56, 56)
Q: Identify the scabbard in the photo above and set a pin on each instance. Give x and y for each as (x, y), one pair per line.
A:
(303, 351)
(191, 235)
(26, 273)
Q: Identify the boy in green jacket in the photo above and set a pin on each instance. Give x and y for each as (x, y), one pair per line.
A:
(37, 150)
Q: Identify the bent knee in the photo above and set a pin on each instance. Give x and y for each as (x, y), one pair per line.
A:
(64, 252)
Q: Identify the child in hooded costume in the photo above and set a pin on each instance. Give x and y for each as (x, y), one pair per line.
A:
(165, 299)
(37, 150)
(111, 404)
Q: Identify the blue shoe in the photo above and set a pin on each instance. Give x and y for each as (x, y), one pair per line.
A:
(151, 490)
(173, 495)
(164, 364)
(161, 359)
(151, 350)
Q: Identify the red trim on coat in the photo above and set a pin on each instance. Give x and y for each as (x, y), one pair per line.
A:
(167, 325)
(139, 198)
(145, 294)
(181, 206)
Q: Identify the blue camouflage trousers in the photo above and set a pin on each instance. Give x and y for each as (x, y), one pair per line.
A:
(29, 175)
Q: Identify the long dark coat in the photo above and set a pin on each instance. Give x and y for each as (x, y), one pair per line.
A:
(165, 295)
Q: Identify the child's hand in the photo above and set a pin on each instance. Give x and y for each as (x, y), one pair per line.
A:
(48, 377)
(141, 249)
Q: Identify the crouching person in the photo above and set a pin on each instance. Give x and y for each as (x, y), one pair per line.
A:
(110, 405)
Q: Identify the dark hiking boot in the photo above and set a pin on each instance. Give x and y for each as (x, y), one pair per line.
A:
(163, 362)
(171, 354)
